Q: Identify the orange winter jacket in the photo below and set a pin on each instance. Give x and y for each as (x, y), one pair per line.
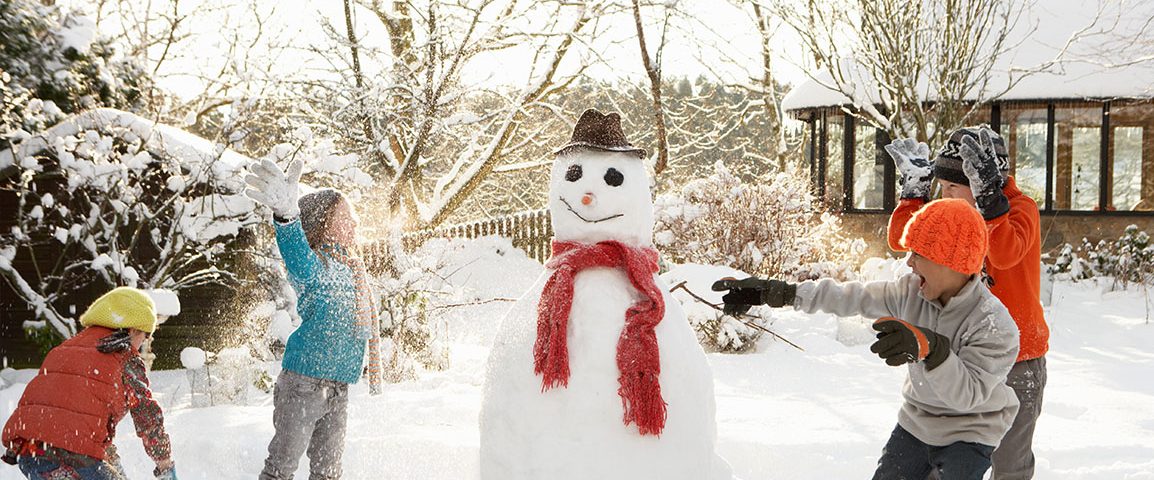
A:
(1014, 261)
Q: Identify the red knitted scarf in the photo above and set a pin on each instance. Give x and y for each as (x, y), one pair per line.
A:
(638, 361)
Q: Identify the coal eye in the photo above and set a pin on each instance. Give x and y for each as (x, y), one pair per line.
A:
(614, 178)
(574, 173)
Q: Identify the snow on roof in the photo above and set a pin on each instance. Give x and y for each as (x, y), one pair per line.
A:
(1108, 57)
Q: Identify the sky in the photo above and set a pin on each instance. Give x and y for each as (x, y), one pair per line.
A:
(696, 41)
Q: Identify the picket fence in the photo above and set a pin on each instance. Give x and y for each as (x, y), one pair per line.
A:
(530, 231)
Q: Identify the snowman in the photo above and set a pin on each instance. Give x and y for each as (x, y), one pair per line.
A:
(595, 372)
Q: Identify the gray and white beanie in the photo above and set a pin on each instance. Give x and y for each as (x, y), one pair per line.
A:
(948, 164)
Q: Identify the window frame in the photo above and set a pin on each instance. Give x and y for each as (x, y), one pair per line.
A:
(819, 154)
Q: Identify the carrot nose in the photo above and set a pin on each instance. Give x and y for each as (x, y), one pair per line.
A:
(587, 199)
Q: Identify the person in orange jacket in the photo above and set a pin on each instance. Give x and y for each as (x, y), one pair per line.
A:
(973, 165)
(63, 426)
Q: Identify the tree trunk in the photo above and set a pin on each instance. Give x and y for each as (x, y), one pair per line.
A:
(653, 70)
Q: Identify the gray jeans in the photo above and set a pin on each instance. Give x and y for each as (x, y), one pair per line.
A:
(307, 413)
(1014, 457)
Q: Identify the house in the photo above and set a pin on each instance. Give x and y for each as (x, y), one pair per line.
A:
(1080, 132)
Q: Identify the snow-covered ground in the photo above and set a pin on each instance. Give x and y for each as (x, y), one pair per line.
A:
(782, 413)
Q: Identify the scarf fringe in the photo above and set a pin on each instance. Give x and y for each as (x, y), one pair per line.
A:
(641, 400)
(368, 324)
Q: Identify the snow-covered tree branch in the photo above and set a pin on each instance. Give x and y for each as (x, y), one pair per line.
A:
(109, 197)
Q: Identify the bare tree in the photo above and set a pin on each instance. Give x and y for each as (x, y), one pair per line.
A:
(915, 69)
(239, 96)
(759, 82)
(652, 65)
(429, 136)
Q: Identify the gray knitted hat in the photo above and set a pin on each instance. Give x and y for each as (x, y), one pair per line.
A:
(315, 209)
(948, 164)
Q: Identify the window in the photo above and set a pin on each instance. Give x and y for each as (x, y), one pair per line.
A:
(1024, 131)
(811, 152)
(1077, 157)
(1127, 184)
(1058, 155)
(1132, 157)
(834, 162)
(868, 169)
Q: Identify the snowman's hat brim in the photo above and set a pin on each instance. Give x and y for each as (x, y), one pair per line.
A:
(597, 131)
(573, 146)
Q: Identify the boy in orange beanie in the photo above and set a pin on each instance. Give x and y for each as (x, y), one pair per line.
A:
(957, 340)
(974, 166)
(65, 421)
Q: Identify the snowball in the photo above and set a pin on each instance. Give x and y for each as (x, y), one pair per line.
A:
(193, 358)
(167, 302)
(281, 326)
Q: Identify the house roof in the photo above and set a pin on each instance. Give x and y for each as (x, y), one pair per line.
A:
(1106, 55)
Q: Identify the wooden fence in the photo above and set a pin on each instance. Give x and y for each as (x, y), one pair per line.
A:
(530, 231)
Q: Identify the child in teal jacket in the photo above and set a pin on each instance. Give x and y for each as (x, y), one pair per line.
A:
(317, 239)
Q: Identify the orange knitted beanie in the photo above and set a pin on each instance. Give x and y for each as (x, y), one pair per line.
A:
(949, 232)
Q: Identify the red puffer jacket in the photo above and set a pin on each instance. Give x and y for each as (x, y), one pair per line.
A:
(76, 400)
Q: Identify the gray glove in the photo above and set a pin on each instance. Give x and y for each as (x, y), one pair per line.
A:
(982, 167)
(277, 190)
(913, 161)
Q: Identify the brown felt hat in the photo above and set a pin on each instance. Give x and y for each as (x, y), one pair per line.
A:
(598, 131)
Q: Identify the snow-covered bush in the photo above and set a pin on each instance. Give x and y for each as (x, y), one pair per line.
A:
(716, 331)
(1129, 259)
(107, 198)
(223, 378)
(772, 228)
(1068, 264)
(406, 283)
(54, 63)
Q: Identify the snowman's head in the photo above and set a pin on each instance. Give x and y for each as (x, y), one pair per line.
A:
(598, 195)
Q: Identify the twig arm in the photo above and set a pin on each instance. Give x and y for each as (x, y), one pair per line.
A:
(741, 317)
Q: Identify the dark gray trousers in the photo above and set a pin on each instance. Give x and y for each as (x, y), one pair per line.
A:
(308, 413)
(1014, 457)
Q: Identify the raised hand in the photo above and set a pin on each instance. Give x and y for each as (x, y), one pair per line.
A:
(913, 161)
(982, 166)
(275, 189)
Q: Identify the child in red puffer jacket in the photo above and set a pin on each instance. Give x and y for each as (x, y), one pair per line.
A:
(64, 424)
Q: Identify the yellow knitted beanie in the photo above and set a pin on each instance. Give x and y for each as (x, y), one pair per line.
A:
(123, 307)
(949, 232)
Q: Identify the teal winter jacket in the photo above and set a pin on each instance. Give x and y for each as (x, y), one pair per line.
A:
(328, 344)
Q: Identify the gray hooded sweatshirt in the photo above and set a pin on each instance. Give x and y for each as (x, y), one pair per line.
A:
(965, 399)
